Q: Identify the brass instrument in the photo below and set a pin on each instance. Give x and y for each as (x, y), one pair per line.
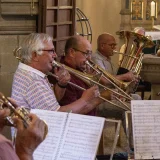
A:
(21, 113)
(17, 54)
(120, 85)
(90, 80)
(132, 56)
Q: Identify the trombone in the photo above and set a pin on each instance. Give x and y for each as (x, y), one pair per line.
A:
(90, 79)
(120, 85)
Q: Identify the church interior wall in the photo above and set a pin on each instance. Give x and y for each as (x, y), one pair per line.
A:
(104, 16)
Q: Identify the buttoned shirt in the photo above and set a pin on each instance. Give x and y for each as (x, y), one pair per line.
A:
(31, 89)
(104, 62)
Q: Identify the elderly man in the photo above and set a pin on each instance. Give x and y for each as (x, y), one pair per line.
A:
(77, 51)
(106, 44)
(27, 139)
(30, 85)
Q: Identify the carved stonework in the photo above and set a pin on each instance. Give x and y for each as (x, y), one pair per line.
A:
(151, 72)
(18, 17)
(136, 13)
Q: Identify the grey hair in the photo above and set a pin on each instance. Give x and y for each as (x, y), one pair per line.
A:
(136, 29)
(34, 42)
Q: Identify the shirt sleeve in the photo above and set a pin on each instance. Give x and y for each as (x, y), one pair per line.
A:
(7, 151)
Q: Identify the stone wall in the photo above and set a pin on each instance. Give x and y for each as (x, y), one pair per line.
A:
(17, 19)
(104, 16)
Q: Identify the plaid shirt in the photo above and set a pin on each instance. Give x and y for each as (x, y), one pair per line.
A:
(31, 89)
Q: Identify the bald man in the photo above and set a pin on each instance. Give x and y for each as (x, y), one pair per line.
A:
(106, 44)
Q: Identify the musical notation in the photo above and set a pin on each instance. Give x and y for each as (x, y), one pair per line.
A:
(81, 137)
(71, 136)
(49, 146)
(146, 129)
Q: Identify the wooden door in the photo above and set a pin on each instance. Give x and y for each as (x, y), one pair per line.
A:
(57, 18)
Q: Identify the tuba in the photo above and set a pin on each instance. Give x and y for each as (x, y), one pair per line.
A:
(133, 55)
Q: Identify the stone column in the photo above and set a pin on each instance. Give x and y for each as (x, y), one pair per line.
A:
(125, 16)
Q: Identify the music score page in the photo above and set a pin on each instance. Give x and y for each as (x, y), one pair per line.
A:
(70, 136)
(146, 128)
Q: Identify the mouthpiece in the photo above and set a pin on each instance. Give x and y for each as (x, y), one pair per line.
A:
(55, 64)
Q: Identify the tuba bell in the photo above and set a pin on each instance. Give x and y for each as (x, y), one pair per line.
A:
(133, 55)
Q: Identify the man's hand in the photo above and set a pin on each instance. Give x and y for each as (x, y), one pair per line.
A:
(3, 114)
(91, 93)
(130, 76)
(63, 76)
(29, 138)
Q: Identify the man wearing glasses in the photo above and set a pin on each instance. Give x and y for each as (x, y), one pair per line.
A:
(31, 87)
(77, 51)
(106, 44)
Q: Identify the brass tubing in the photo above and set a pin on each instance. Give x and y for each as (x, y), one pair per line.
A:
(115, 82)
(85, 77)
(83, 89)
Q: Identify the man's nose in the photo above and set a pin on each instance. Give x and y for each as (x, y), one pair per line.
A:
(54, 55)
(89, 57)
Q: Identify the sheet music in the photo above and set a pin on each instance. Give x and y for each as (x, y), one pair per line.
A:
(55, 121)
(81, 137)
(146, 128)
(70, 136)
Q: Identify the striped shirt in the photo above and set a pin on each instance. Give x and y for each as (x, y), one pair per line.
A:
(31, 89)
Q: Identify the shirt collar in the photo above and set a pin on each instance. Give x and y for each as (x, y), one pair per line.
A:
(103, 57)
(31, 69)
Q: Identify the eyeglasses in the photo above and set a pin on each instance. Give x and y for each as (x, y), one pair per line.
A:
(112, 45)
(50, 51)
(86, 54)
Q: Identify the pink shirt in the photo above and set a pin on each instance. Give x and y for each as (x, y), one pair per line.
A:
(7, 151)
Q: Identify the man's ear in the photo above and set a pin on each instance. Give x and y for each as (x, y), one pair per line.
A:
(35, 56)
(72, 52)
(102, 45)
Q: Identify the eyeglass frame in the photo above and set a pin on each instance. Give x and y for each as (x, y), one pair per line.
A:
(84, 53)
(111, 45)
(50, 51)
